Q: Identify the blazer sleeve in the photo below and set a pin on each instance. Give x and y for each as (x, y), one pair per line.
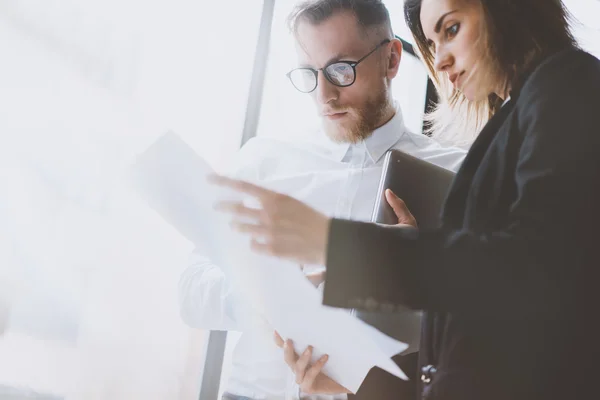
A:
(534, 262)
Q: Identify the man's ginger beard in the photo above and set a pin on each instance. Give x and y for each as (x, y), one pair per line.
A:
(370, 117)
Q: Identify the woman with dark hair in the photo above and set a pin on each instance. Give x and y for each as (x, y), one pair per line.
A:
(508, 283)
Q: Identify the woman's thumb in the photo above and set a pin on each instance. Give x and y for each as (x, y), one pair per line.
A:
(396, 203)
(399, 207)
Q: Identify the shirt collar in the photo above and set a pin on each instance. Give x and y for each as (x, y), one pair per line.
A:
(380, 141)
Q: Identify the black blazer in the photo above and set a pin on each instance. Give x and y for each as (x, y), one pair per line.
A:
(510, 284)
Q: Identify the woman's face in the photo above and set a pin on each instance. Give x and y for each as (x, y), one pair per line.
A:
(455, 34)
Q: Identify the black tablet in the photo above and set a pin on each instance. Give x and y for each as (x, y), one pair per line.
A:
(422, 185)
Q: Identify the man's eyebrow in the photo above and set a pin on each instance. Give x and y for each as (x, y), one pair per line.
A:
(337, 57)
(438, 25)
(332, 60)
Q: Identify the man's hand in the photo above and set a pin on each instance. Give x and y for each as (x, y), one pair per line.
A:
(309, 377)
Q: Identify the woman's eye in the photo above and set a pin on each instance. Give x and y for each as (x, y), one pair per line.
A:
(452, 30)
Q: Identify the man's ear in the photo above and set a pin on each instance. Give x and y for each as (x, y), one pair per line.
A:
(394, 58)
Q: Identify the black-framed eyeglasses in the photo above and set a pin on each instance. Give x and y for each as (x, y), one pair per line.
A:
(339, 73)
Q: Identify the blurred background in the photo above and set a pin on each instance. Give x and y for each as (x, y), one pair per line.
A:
(88, 273)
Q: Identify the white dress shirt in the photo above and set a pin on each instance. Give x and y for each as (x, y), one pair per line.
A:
(338, 180)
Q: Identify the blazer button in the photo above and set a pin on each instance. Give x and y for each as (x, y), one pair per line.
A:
(427, 373)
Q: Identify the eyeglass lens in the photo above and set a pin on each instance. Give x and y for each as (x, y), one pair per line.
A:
(340, 74)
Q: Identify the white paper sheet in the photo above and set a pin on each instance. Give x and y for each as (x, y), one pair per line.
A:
(172, 179)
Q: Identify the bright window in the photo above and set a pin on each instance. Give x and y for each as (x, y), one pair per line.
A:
(87, 84)
(586, 25)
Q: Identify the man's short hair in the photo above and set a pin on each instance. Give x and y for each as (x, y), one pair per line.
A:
(370, 14)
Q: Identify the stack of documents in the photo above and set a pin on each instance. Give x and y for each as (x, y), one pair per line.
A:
(172, 178)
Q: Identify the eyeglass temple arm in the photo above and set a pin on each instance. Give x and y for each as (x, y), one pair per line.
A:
(405, 47)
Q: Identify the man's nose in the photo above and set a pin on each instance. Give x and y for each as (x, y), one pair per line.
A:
(325, 91)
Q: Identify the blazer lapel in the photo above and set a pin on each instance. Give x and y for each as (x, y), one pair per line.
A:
(454, 208)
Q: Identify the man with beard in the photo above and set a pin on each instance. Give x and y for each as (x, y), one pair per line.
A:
(348, 57)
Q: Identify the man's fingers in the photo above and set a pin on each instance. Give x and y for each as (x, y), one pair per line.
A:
(278, 339)
(302, 363)
(314, 371)
(289, 355)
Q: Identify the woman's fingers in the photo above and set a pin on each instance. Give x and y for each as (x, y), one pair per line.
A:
(270, 200)
(254, 230)
(316, 278)
(240, 186)
(260, 247)
(239, 209)
(400, 209)
(282, 227)
(263, 244)
(398, 205)
(278, 339)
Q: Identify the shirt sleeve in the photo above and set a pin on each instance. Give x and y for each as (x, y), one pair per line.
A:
(207, 299)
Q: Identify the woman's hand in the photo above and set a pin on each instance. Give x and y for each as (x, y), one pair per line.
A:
(316, 278)
(282, 227)
(405, 218)
(309, 377)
